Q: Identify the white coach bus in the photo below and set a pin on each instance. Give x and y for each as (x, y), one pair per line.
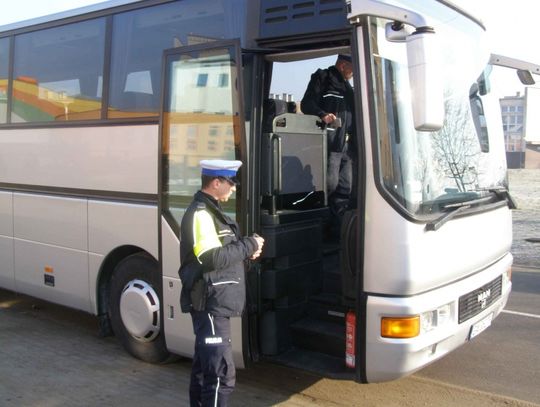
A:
(106, 111)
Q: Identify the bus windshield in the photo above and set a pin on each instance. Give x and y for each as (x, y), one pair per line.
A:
(425, 172)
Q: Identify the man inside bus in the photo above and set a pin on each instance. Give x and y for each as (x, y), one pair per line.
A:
(212, 254)
(329, 95)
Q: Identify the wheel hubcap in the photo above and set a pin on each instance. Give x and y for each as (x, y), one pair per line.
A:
(139, 309)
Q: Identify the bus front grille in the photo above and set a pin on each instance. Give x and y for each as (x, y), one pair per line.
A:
(477, 300)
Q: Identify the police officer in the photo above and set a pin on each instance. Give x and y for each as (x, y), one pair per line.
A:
(329, 95)
(212, 254)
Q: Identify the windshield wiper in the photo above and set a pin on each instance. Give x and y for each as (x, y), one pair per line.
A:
(457, 207)
(437, 223)
(453, 210)
(503, 193)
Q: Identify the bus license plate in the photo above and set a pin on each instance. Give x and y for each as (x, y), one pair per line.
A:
(480, 326)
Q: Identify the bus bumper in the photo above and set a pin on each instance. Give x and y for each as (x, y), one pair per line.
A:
(389, 358)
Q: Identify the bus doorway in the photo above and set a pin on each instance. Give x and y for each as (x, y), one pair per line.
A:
(308, 272)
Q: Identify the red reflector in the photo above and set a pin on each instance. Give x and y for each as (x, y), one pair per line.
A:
(350, 339)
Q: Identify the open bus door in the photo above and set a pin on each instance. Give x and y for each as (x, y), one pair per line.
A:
(201, 118)
(308, 278)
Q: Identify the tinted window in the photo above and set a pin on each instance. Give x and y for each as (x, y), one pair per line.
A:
(4, 69)
(140, 36)
(58, 73)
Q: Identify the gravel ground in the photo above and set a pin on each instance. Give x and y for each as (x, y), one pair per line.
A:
(525, 189)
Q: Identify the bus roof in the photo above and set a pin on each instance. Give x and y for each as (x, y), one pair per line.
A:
(104, 5)
(338, 20)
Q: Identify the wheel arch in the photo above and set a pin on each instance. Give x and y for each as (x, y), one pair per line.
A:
(105, 274)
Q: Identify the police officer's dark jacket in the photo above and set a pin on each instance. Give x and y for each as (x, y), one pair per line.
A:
(329, 92)
(211, 241)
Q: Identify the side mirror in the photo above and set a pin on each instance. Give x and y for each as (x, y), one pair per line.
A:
(525, 76)
(425, 81)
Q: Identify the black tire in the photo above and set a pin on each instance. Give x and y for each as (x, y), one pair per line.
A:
(139, 270)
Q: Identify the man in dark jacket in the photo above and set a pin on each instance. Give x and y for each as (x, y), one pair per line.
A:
(329, 95)
(212, 254)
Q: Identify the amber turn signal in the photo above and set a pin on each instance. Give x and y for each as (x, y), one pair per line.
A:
(400, 327)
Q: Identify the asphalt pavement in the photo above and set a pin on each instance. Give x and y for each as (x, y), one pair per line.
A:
(51, 356)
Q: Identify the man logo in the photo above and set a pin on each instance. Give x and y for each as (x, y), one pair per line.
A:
(483, 297)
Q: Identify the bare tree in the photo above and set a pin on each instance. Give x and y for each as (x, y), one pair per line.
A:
(455, 146)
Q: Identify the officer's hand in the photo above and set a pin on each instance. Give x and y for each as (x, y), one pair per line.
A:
(329, 118)
(260, 244)
(256, 255)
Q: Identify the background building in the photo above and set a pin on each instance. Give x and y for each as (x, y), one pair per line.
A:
(513, 113)
(521, 126)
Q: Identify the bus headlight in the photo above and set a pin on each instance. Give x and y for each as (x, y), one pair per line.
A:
(436, 318)
(414, 325)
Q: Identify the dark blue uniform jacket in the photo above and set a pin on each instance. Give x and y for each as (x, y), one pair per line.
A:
(329, 92)
(210, 242)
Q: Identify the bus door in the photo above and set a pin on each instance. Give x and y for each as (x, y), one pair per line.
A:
(308, 291)
(201, 118)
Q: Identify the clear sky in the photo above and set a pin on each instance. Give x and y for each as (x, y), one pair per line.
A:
(511, 27)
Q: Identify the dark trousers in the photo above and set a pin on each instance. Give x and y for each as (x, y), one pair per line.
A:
(213, 374)
(339, 182)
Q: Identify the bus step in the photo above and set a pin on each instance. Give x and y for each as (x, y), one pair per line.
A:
(330, 248)
(327, 307)
(331, 283)
(318, 363)
(319, 336)
(331, 277)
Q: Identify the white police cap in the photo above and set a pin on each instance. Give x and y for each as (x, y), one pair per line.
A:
(221, 168)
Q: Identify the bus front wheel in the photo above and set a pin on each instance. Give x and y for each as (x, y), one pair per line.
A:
(134, 308)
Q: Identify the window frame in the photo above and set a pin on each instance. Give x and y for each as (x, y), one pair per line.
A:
(8, 75)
